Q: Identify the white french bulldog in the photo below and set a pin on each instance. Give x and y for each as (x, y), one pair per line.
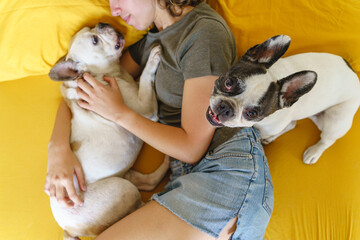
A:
(105, 150)
(271, 94)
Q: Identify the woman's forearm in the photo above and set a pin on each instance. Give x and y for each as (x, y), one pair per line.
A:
(61, 132)
(62, 163)
(173, 141)
(187, 143)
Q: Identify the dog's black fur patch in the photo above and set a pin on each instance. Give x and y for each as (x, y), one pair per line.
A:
(238, 73)
(269, 102)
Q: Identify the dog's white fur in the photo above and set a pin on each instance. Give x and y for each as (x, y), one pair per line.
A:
(105, 150)
(331, 103)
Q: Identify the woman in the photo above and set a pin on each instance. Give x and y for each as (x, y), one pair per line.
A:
(218, 180)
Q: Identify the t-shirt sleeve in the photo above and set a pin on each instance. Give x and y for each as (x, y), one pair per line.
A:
(209, 49)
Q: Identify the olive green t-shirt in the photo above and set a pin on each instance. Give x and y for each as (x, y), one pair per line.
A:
(199, 44)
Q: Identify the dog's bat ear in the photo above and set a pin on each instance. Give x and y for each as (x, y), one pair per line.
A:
(65, 70)
(268, 52)
(295, 86)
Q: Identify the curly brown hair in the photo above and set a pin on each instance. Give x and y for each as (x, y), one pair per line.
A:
(175, 7)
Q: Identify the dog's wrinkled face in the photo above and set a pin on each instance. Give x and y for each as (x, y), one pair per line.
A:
(96, 46)
(235, 96)
(248, 93)
(91, 49)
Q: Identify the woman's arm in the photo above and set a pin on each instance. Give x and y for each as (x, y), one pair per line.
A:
(62, 163)
(187, 143)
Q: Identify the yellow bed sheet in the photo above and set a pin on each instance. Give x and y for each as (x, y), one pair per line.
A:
(35, 34)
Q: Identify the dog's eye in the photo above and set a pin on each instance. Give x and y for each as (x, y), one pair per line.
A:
(117, 47)
(95, 39)
(251, 114)
(228, 84)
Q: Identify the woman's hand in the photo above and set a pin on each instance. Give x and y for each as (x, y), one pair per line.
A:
(62, 165)
(105, 100)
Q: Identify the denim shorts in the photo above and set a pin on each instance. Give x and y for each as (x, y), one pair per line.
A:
(231, 181)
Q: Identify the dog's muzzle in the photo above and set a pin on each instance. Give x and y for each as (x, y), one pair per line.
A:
(220, 113)
(120, 41)
(212, 118)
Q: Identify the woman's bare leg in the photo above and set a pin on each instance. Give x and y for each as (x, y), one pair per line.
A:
(154, 221)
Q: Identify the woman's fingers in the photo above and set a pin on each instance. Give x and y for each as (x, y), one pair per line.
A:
(60, 184)
(52, 191)
(83, 92)
(105, 100)
(112, 82)
(89, 79)
(82, 95)
(47, 187)
(60, 196)
(84, 87)
(71, 192)
(80, 177)
(63, 190)
(83, 104)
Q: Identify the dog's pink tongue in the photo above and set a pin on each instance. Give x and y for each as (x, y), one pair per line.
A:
(216, 118)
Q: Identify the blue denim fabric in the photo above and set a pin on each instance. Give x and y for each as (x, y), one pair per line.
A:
(231, 181)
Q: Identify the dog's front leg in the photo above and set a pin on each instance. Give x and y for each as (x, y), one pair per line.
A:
(147, 77)
(146, 94)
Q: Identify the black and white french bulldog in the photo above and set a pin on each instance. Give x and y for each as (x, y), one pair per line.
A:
(271, 94)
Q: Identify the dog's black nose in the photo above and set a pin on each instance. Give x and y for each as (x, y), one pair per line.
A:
(224, 111)
(103, 25)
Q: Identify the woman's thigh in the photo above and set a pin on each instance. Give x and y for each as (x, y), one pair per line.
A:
(154, 221)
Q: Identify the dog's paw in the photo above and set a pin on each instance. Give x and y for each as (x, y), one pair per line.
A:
(312, 154)
(154, 58)
(155, 53)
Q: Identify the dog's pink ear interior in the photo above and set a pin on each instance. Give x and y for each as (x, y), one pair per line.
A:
(268, 52)
(64, 70)
(295, 86)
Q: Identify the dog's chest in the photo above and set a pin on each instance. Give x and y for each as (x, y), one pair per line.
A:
(103, 148)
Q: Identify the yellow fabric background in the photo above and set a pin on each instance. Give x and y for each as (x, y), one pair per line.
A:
(311, 202)
(34, 34)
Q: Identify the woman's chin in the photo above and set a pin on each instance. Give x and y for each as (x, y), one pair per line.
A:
(140, 28)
